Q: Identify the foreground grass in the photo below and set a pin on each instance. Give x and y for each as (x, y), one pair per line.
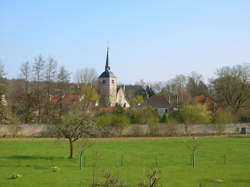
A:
(226, 159)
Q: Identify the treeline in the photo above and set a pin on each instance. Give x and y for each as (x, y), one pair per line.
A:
(27, 99)
(223, 99)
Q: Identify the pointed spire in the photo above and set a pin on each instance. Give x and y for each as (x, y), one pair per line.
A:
(107, 67)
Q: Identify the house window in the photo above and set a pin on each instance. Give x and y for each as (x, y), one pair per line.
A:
(103, 81)
(166, 110)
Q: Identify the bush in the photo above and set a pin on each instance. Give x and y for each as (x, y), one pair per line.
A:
(55, 168)
(144, 116)
(15, 176)
(222, 117)
(106, 121)
(193, 114)
(171, 126)
(120, 121)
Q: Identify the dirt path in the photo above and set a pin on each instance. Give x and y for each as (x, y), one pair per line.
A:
(119, 138)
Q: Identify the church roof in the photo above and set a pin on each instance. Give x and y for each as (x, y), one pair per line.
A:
(107, 73)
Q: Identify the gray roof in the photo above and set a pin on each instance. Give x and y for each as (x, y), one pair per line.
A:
(107, 74)
(158, 101)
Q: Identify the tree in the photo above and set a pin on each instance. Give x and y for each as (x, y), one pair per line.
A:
(76, 125)
(145, 115)
(196, 86)
(86, 76)
(63, 87)
(85, 144)
(231, 88)
(2, 71)
(194, 113)
(193, 146)
(176, 90)
(89, 97)
(138, 100)
(25, 103)
(50, 79)
(38, 73)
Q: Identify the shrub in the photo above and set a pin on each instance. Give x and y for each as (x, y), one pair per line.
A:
(104, 120)
(120, 121)
(15, 176)
(171, 126)
(193, 114)
(55, 168)
(222, 117)
(144, 116)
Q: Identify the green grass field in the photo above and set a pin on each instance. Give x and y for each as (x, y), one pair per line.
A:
(33, 160)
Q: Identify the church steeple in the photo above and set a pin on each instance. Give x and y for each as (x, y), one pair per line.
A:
(107, 67)
(107, 73)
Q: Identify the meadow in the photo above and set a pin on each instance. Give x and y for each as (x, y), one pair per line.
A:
(45, 163)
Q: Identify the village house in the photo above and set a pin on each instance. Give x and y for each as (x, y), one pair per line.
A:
(159, 103)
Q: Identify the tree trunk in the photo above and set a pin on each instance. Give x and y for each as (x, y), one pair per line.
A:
(71, 148)
(193, 159)
(81, 160)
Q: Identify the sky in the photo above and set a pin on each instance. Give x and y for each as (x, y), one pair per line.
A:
(152, 40)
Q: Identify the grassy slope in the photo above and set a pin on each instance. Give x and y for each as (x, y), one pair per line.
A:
(34, 160)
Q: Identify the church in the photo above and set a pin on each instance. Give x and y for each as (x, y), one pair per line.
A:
(111, 94)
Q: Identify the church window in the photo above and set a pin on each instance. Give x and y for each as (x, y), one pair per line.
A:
(103, 81)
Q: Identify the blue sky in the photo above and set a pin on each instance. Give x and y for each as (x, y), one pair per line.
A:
(149, 39)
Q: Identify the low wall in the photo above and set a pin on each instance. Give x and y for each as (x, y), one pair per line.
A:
(131, 130)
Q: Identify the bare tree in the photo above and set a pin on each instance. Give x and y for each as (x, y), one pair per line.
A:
(231, 88)
(50, 79)
(196, 85)
(85, 144)
(193, 146)
(2, 71)
(50, 74)
(85, 76)
(176, 90)
(38, 77)
(26, 104)
(63, 87)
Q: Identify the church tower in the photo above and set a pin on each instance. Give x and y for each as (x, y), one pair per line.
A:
(107, 85)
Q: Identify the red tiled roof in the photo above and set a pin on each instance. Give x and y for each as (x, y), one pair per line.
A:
(67, 100)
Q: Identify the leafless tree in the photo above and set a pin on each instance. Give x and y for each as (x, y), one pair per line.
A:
(50, 74)
(26, 104)
(231, 88)
(196, 85)
(193, 146)
(85, 76)
(2, 71)
(176, 90)
(38, 77)
(50, 79)
(84, 145)
(63, 87)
